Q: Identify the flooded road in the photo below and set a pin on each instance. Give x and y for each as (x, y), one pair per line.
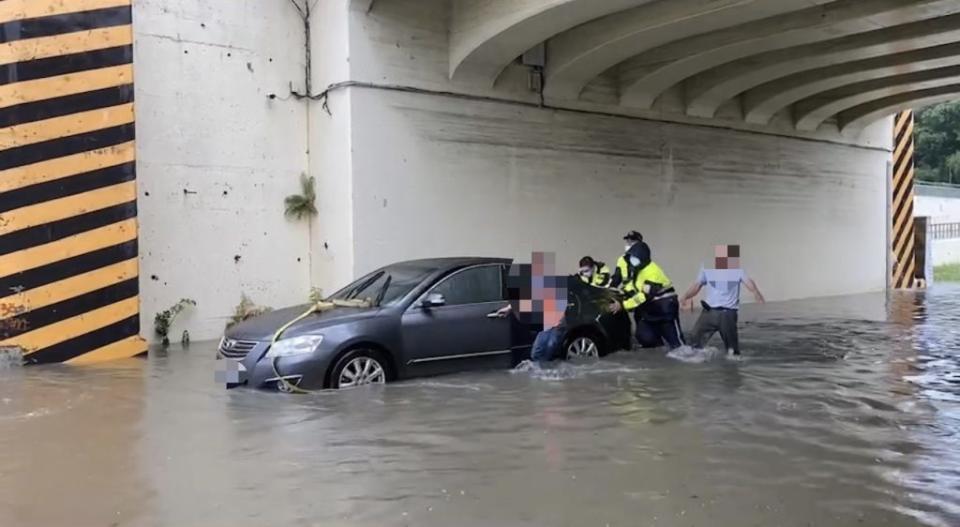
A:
(844, 412)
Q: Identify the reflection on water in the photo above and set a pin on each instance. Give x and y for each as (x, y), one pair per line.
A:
(843, 412)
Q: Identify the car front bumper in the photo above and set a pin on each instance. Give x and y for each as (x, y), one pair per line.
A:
(307, 371)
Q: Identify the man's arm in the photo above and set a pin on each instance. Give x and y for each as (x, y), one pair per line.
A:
(630, 303)
(616, 279)
(694, 289)
(691, 293)
(752, 287)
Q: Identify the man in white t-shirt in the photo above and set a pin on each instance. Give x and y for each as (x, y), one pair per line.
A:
(721, 302)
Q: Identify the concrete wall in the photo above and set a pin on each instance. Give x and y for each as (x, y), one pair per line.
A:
(401, 175)
(216, 157)
(442, 176)
(435, 175)
(942, 205)
(407, 42)
(330, 142)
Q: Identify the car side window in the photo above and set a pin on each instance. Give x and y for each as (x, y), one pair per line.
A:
(472, 286)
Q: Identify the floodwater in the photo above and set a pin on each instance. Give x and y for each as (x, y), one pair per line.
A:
(845, 411)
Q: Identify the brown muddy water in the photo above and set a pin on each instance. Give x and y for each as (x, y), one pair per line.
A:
(845, 411)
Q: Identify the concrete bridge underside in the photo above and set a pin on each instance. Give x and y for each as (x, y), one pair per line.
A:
(848, 62)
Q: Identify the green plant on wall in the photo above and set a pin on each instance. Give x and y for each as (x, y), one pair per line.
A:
(164, 319)
(302, 205)
(244, 310)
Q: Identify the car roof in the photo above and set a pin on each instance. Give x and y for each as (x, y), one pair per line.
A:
(453, 261)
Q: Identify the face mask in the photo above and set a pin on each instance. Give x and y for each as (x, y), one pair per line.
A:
(627, 247)
(634, 261)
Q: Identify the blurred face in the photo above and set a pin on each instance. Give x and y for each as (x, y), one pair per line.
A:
(727, 256)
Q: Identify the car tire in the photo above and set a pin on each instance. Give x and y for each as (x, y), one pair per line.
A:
(583, 345)
(360, 367)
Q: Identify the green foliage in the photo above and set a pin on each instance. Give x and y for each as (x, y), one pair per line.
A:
(304, 204)
(937, 135)
(164, 319)
(244, 310)
(947, 273)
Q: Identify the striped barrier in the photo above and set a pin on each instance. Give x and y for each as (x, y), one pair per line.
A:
(901, 206)
(68, 228)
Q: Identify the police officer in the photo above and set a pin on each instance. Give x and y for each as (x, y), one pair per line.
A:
(652, 299)
(622, 272)
(593, 272)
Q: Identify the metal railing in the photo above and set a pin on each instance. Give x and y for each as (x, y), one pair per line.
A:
(945, 231)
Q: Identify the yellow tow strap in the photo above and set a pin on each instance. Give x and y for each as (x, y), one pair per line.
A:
(319, 307)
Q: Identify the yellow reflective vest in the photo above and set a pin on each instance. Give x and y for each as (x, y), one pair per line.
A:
(600, 278)
(623, 274)
(645, 286)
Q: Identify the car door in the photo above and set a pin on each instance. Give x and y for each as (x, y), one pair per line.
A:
(461, 333)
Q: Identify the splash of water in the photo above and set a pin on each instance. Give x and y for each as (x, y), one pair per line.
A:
(698, 356)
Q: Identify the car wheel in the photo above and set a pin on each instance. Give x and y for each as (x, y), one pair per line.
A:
(358, 368)
(583, 346)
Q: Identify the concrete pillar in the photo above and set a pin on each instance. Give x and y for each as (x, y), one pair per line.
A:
(68, 199)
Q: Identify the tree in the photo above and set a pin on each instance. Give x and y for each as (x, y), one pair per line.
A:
(937, 136)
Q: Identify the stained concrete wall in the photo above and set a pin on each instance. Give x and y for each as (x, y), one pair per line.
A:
(438, 176)
(407, 42)
(441, 175)
(402, 175)
(216, 157)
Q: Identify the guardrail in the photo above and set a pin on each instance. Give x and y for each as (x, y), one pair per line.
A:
(939, 184)
(945, 231)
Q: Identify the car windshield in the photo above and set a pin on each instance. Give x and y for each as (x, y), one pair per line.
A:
(385, 286)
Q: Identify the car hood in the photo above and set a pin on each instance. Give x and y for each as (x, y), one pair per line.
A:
(264, 326)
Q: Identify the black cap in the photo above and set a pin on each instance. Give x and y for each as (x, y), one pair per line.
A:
(633, 236)
(587, 261)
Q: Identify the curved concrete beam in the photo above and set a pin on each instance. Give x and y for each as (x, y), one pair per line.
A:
(762, 103)
(812, 113)
(708, 91)
(658, 70)
(485, 36)
(576, 57)
(853, 121)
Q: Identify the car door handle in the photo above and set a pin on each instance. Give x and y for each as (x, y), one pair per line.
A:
(493, 315)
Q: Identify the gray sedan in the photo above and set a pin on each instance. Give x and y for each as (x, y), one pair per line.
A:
(416, 318)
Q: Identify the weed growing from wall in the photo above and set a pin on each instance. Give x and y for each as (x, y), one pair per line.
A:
(244, 310)
(164, 319)
(302, 205)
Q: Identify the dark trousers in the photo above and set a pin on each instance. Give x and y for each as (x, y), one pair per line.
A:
(659, 324)
(714, 320)
(547, 346)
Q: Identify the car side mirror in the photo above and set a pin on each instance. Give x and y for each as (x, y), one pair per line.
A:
(433, 300)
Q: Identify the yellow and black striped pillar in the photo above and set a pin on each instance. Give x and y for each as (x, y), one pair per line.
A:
(68, 231)
(901, 205)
